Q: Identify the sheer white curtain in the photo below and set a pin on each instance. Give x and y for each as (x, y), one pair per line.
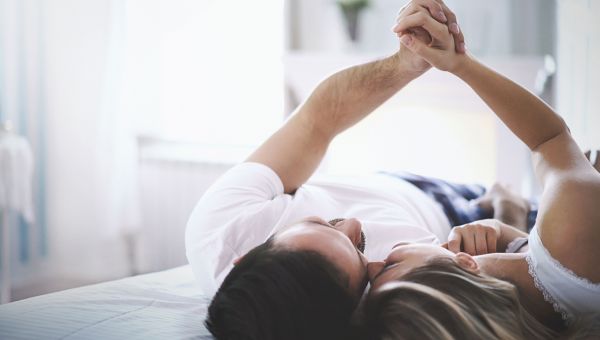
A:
(90, 155)
(85, 78)
(21, 104)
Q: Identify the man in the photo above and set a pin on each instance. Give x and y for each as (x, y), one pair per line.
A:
(279, 273)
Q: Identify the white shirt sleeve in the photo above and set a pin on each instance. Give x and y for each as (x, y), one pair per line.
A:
(237, 213)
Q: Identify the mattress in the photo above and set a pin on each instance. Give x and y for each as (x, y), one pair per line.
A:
(162, 305)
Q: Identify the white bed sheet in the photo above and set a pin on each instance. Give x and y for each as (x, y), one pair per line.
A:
(162, 305)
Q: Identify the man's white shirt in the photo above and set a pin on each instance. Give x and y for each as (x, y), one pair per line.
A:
(247, 205)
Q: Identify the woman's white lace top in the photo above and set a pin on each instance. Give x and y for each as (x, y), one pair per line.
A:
(572, 296)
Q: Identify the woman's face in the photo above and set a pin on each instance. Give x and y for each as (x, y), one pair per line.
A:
(403, 258)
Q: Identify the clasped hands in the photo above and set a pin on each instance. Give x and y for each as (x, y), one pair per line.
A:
(430, 36)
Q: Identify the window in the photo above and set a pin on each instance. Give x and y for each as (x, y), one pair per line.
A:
(205, 70)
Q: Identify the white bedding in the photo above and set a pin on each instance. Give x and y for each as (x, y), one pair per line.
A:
(163, 305)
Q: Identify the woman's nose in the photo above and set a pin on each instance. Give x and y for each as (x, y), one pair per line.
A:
(373, 269)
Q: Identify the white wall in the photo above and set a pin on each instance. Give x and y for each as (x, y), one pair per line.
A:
(435, 126)
(492, 27)
(578, 90)
(514, 33)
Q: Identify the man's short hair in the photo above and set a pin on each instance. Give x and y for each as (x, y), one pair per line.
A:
(281, 294)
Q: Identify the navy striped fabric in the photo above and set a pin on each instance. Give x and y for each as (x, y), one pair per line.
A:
(455, 198)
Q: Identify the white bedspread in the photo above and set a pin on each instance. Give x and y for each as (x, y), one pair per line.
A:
(163, 305)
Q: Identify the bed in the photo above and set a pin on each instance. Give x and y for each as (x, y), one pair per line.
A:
(162, 305)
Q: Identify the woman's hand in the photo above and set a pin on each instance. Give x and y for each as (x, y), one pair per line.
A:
(476, 238)
(441, 50)
(438, 11)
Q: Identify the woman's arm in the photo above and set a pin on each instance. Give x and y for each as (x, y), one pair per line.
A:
(534, 122)
(569, 217)
(556, 155)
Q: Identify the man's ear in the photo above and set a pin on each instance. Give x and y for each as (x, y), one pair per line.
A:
(237, 260)
(467, 262)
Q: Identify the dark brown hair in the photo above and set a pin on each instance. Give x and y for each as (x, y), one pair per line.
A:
(275, 294)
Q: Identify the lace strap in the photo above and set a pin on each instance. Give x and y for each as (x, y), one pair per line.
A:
(566, 316)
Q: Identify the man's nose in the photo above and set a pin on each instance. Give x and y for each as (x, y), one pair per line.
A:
(373, 269)
(351, 227)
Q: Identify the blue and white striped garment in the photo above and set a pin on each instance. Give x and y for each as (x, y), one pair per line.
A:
(163, 305)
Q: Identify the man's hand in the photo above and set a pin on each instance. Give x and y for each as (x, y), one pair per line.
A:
(441, 51)
(435, 9)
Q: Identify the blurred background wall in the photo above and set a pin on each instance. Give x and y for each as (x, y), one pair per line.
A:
(578, 82)
(133, 107)
(493, 27)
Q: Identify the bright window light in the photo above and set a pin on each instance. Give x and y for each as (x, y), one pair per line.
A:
(206, 71)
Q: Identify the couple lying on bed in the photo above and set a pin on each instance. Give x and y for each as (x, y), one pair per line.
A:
(279, 274)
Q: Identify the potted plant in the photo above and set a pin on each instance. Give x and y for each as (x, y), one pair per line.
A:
(351, 10)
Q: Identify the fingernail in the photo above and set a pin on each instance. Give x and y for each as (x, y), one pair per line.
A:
(442, 16)
(454, 28)
(394, 27)
(462, 47)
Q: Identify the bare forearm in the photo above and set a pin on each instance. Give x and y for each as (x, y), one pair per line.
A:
(348, 96)
(527, 116)
(340, 101)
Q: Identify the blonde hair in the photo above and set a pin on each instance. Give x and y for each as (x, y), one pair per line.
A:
(443, 301)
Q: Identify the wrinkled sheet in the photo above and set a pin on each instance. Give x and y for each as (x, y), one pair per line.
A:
(162, 305)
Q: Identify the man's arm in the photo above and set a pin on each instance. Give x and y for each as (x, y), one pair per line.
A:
(340, 101)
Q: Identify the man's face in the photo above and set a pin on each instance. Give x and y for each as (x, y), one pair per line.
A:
(338, 242)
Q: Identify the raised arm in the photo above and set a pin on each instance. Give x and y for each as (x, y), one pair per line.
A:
(556, 155)
(569, 216)
(340, 101)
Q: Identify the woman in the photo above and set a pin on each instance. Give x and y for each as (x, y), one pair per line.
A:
(469, 289)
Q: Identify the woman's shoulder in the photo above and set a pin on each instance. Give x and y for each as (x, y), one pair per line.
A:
(569, 224)
(569, 205)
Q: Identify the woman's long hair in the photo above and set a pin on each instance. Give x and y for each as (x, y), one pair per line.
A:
(441, 300)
